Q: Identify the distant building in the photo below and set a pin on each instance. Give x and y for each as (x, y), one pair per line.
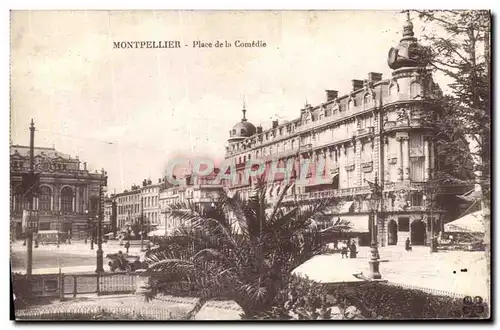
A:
(380, 130)
(128, 207)
(200, 194)
(68, 193)
(110, 221)
(150, 194)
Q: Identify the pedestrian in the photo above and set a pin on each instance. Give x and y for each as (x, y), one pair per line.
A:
(335, 245)
(352, 248)
(69, 237)
(85, 240)
(343, 250)
(407, 244)
(127, 246)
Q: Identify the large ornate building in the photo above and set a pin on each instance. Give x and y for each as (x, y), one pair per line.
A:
(68, 192)
(377, 131)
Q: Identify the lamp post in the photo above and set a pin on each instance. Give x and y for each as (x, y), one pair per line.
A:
(428, 200)
(92, 230)
(375, 199)
(99, 254)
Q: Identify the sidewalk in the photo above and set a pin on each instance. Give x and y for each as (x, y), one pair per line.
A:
(437, 271)
(77, 248)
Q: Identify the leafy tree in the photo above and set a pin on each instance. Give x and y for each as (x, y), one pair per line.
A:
(464, 127)
(238, 249)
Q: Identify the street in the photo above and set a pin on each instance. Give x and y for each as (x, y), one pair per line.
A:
(459, 272)
(72, 257)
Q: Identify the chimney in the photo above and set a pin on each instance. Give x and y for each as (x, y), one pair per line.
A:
(159, 180)
(144, 183)
(275, 123)
(259, 129)
(331, 95)
(374, 76)
(357, 84)
(149, 181)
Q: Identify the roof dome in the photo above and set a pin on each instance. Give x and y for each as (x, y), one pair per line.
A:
(409, 53)
(242, 129)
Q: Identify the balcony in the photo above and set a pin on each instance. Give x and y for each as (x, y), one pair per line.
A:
(365, 131)
(330, 193)
(305, 147)
(367, 166)
(388, 125)
(417, 152)
(396, 186)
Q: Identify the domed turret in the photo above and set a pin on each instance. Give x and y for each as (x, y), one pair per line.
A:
(242, 129)
(409, 53)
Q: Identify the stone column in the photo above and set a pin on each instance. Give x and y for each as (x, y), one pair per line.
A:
(385, 160)
(357, 164)
(74, 200)
(400, 158)
(342, 171)
(427, 160)
(406, 159)
(432, 159)
(77, 199)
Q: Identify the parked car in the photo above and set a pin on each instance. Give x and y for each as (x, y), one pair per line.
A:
(128, 263)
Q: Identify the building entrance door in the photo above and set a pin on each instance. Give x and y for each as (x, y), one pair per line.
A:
(418, 233)
(392, 230)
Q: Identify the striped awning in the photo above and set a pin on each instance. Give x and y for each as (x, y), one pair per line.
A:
(341, 208)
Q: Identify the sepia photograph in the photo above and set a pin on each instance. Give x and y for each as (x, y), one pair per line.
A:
(250, 165)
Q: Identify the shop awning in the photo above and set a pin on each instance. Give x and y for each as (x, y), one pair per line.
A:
(357, 223)
(341, 208)
(471, 196)
(470, 223)
(161, 231)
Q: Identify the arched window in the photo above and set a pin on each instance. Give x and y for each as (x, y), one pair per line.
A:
(67, 199)
(45, 199)
(242, 131)
(350, 104)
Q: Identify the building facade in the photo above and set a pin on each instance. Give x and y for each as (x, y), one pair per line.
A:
(200, 193)
(150, 195)
(379, 131)
(68, 193)
(128, 207)
(109, 221)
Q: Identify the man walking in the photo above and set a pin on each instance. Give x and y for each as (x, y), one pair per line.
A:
(407, 244)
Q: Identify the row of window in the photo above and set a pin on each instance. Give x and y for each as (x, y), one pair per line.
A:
(415, 90)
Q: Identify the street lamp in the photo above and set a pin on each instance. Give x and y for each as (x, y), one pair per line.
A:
(375, 200)
(428, 202)
(99, 254)
(92, 233)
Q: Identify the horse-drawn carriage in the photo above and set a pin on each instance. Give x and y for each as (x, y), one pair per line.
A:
(124, 262)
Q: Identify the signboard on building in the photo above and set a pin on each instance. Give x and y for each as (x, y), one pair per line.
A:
(30, 220)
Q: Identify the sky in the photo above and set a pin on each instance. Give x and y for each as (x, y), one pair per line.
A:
(131, 110)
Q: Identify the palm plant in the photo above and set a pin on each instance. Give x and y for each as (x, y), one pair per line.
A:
(240, 250)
